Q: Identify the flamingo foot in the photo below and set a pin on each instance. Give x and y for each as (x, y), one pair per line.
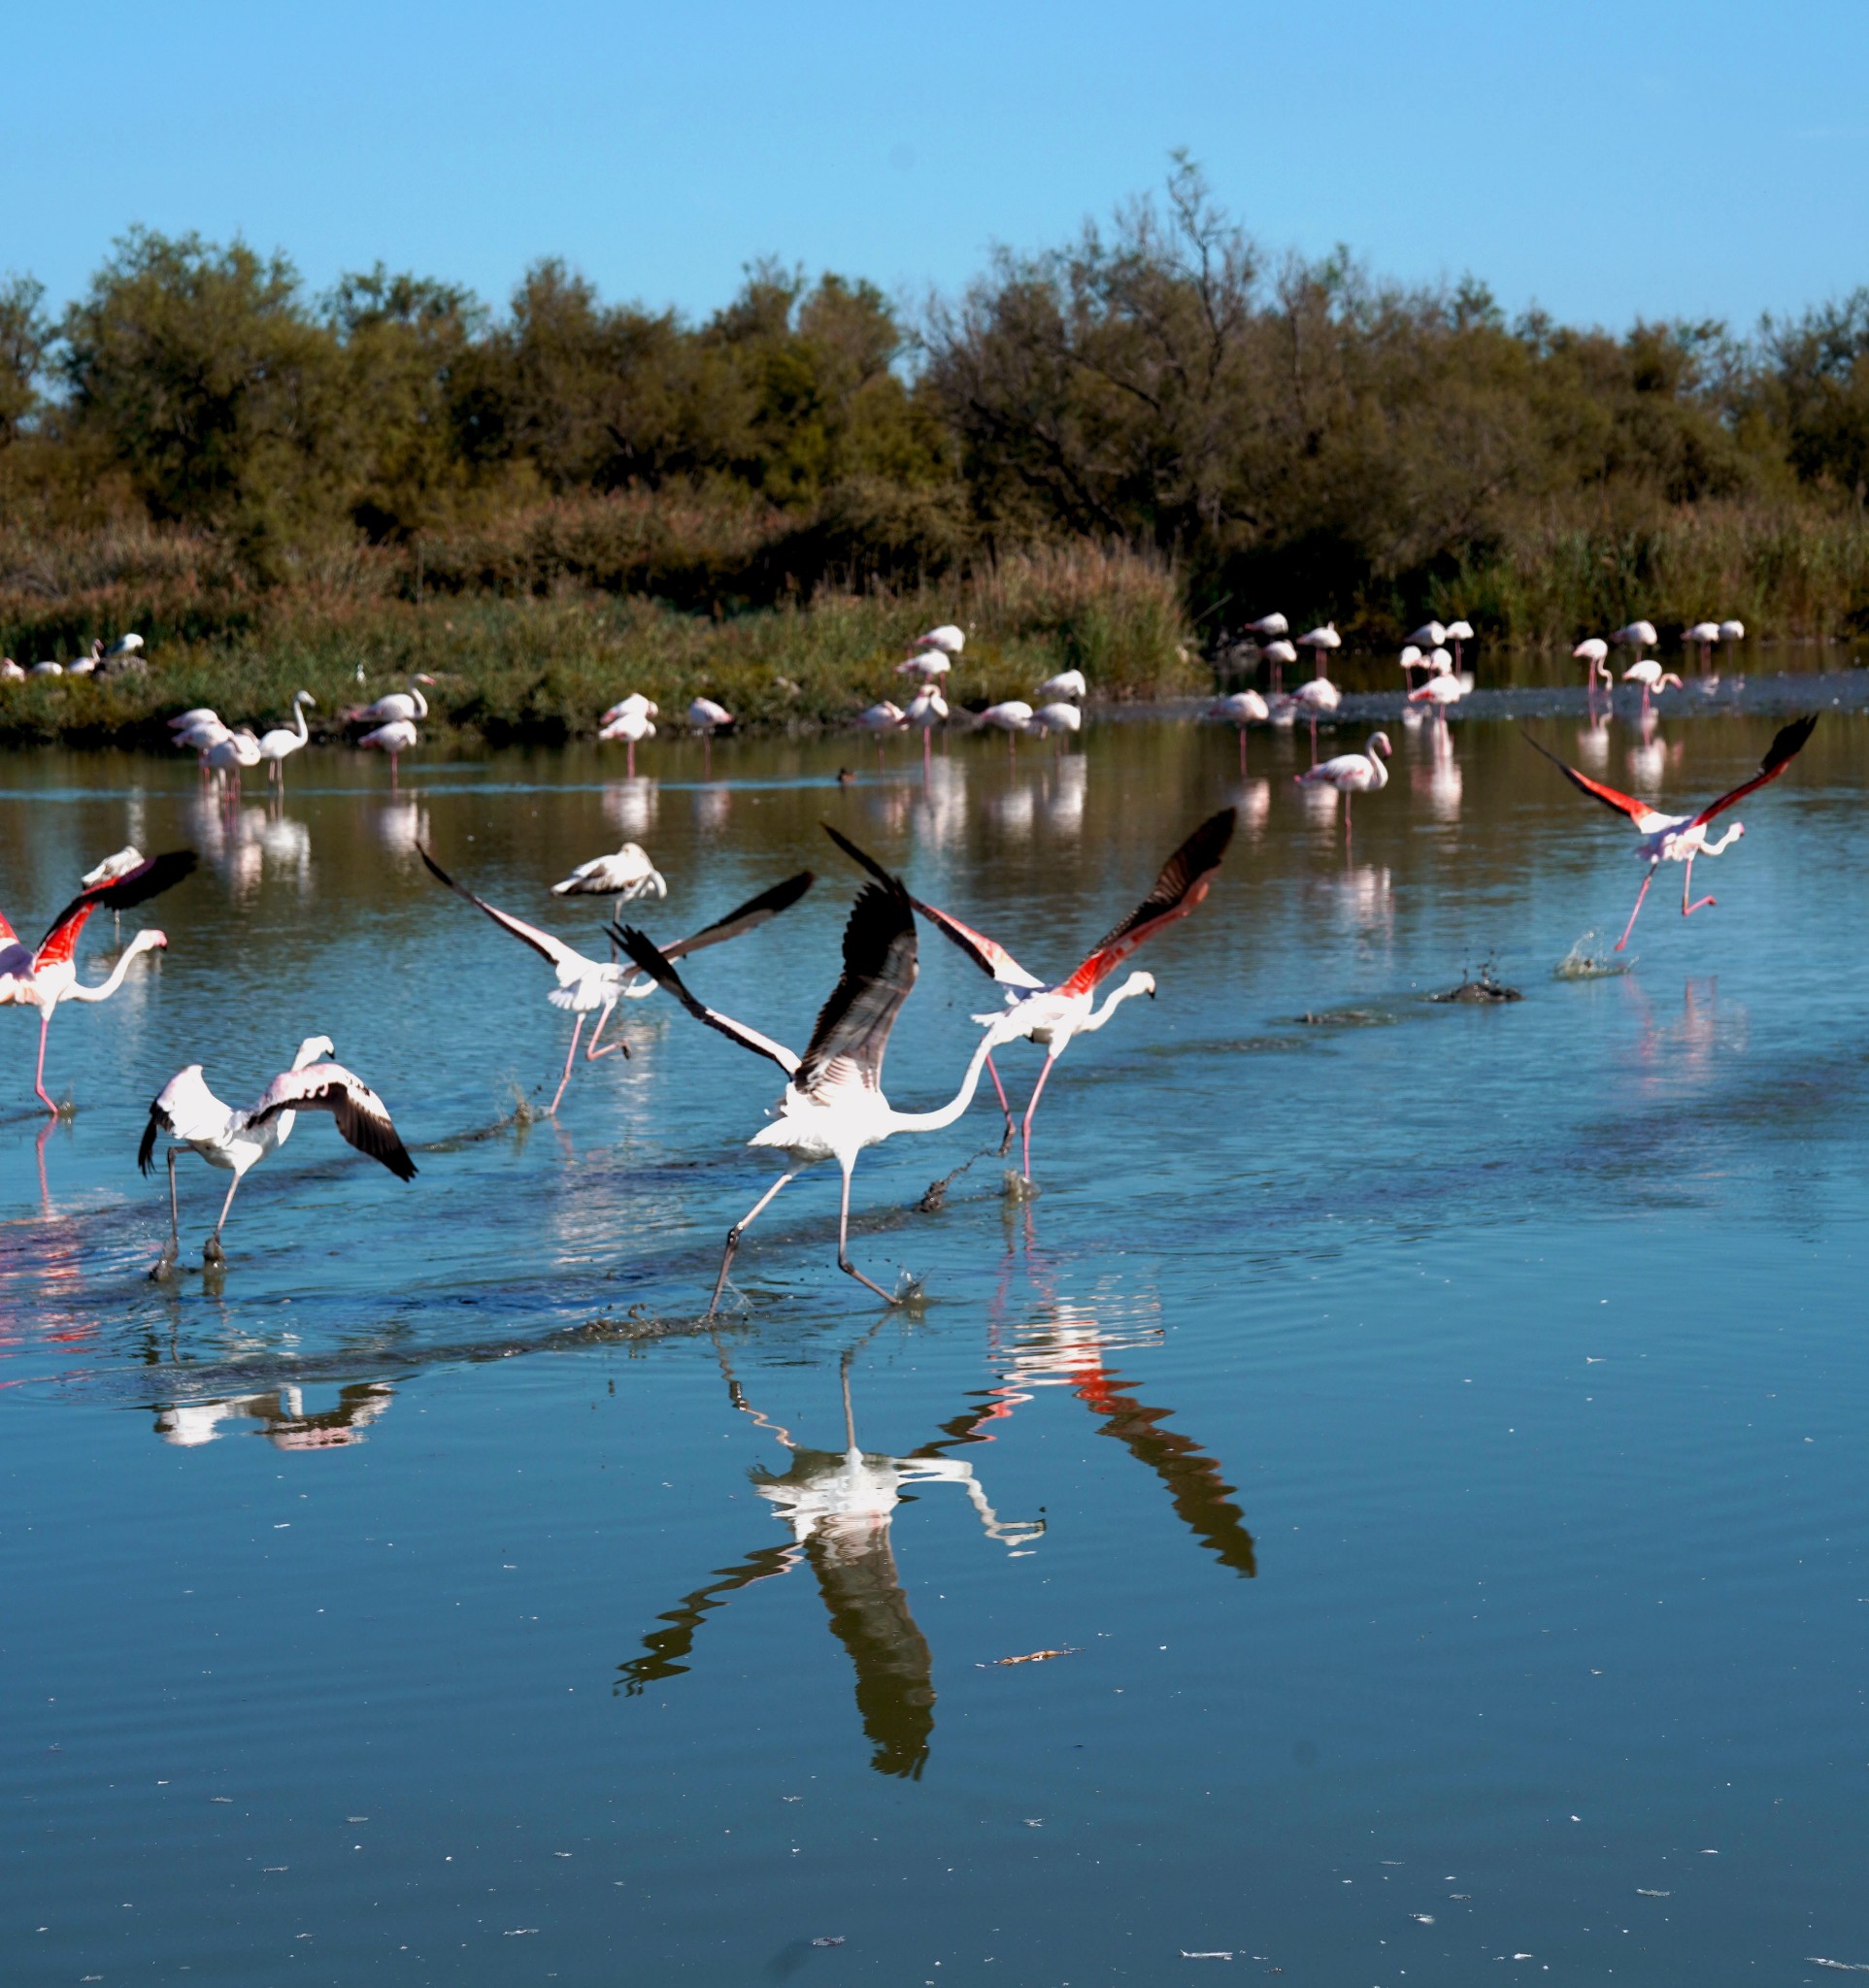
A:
(163, 1268)
(1699, 904)
(212, 1254)
(1020, 1187)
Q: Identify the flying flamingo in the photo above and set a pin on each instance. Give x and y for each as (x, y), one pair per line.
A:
(1050, 1015)
(236, 1141)
(586, 984)
(631, 721)
(42, 979)
(1683, 837)
(274, 746)
(395, 739)
(1241, 709)
(1352, 772)
(833, 1106)
(1651, 676)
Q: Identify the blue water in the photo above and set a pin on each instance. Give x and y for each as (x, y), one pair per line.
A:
(1428, 1434)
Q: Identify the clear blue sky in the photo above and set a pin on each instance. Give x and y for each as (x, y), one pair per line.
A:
(1608, 161)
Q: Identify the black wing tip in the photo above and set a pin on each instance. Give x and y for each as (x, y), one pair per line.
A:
(435, 869)
(1210, 839)
(146, 1149)
(1792, 739)
(644, 951)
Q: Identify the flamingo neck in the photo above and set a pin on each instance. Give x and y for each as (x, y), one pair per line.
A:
(104, 989)
(933, 1121)
(1137, 983)
(421, 703)
(298, 717)
(1375, 760)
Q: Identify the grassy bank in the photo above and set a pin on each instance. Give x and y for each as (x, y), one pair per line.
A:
(542, 667)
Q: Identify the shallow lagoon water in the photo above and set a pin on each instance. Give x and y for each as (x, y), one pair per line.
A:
(1430, 1434)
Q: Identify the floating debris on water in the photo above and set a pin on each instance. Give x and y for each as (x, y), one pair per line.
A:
(1583, 963)
(1034, 1657)
(830, 1939)
(1817, 1960)
(1479, 990)
(1642, 1892)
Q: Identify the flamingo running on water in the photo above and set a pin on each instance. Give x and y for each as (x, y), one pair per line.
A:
(1051, 1014)
(43, 978)
(1651, 676)
(276, 745)
(1242, 707)
(1352, 772)
(236, 1141)
(395, 738)
(1683, 837)
(833, 1106)
(586, 984)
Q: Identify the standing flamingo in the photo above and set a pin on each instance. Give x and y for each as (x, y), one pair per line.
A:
(236, 1141)
(1442, 689)
(586, 984)
(1594, 652)
(1683, 837)
(1320, 696)
(1320, 641)
(276, 745)
(1352, 772)
(926, 710)
(1705, 637)
(1430, 635)
(395, 739)
(631, 720)
(1051, 1014)
(1013, 717)
(43, 978)
(708, 718)
(1459, 633)
(833, 1106)
(1278, 652)
(1651, 676)
(1060, 717)
(1268, 628)
(398, 704)
(879, 718)
(1241, 709)
(1067, 684)
(931, 665)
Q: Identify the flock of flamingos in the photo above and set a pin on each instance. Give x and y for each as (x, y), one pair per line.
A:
(833, 1106)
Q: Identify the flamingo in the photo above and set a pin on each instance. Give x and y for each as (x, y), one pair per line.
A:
(126, 859)
(1067, 684)
(1352, 772)
(1268, 628)
(632, 723)
(86, 664)
(236, 1141)
(1410, 660)
(1442, 689)
(1651, 676)
(395, 739)
(1012, 717)
(1457, 633)
(42, 979)
(636, 702)
(1319, 695)
(833, 1106)
(931, 665)
(1703, 636)
(1594, 653)
(1637, 635)
(200, 714)
(1732, 631)
(947, 639)
(1319, 641)
(927, 710)
(124, 645)
(232, 754)
(1050, 1015)
(1683, 837)
(625, 875)
(1278, 652)
(400, 706)
(10, 671)
(879, 718)
(588, 984)
(47, 669)
(708, 718)
(274, 746)
(1242, 709)
(1060, 717)
(1430, 635)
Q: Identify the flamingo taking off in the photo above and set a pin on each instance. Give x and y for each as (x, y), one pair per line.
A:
(1352, 772)
(126, 859)
(276, 745)
(1239, 709)
(43, 978)
(833, 1106)
(236, 1141)
(1683, 837)
(1051, 1014)
(587, 985)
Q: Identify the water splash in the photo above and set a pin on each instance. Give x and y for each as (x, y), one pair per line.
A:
(1584, 963)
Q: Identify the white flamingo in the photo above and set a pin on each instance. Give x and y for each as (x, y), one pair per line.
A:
(625, 875)
(399, 705)
(926, 710)
(947, 639)
(1067, 684)
(632, 723)
(588, 985)
(49, 975)
(833, 1107)
(881, 718)
(1594, 653)
(1705, 637)
(1459, 632)
(1013, 716)
(1651, 676)
(1319, 698)
(1268, 628)
(395, 738)
(186, 1111)
(1321, 641)
(275, 746)
(1051, 1014)
(1443, 687)
(1430, 635)
(1240, 709)
(1352, 772)
(1278, 652)
(10, 671)
(1683, 837)
(233, 754)
(708, 718)
(1058, 717)
(1732, 631)
(1636, 635)
(635, 701)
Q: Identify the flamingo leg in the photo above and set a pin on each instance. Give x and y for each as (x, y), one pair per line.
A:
(591, 1051)
(211, 1250)
(1000, 1091)
(740, 1228)
(1241, 748)
(1313, 738)
(566, 1078)
(1031, 1110)
(173, 1249)
(844, 1262)
(629, 765)
(1634, 914)
(39, 1074)
(1686, 882)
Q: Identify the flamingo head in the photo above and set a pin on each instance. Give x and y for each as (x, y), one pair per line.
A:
(1732, 834)
(1139, 983)
(313, 1050)
(1378, 743)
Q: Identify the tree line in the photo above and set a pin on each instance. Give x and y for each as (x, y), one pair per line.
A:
(1273, 427)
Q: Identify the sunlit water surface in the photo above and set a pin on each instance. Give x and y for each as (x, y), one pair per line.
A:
(1429, 1437)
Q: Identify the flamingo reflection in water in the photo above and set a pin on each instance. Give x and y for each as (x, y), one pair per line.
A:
(281, 1416)
(840, 1506)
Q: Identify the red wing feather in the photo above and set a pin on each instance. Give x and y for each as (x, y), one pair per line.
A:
(1183, 883)
(1623, 804)
(1783, 750)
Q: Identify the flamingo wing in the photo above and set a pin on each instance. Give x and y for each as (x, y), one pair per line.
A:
(545, 944)
(1183, 883)
(744, 917)
(135, 886)
(1645, 817)
(1784, 748)
(649, 957)
(988, 954)
(362, 1118)
(852, 1028)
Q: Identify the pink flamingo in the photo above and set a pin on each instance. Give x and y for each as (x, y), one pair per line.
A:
(1242, 709)
(43, 978)
(1683, 837)
(1352, 772)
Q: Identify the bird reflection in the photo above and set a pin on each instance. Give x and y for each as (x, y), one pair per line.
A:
(1013, 810)
(401, 826)
(1064, 800)
(1650, 758)
(629, 807)
(1254, 799)
(1688, 1049)
(941, 804)
(228, 841)
(1436, 777)
(281, 1416)
(713, 805)
(1593, 742)
(839, 1506)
